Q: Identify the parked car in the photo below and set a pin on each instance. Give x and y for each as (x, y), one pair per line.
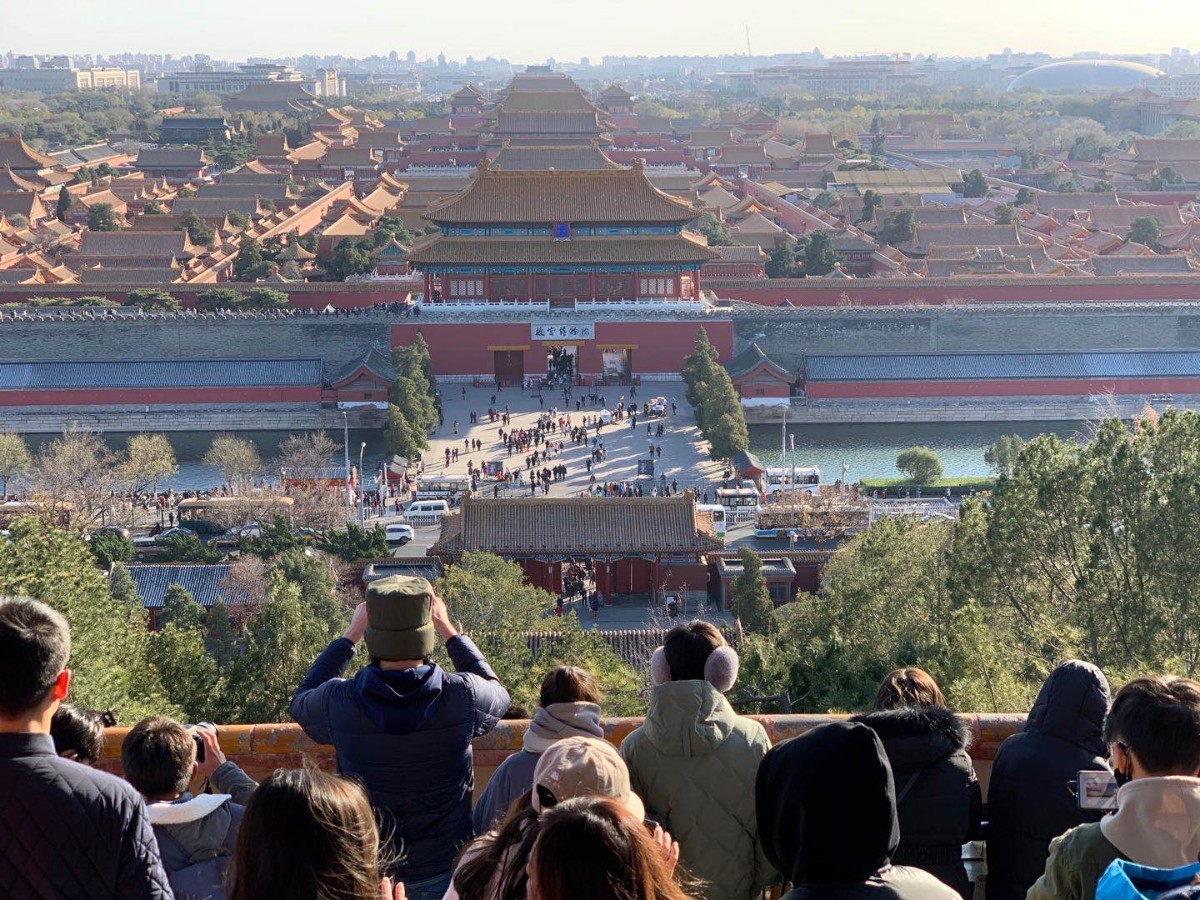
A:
(118, 530)
(399, 533)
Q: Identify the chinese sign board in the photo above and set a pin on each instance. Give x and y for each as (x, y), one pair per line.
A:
(575, 331)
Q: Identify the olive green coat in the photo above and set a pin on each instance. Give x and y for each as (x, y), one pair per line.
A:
(694, 762)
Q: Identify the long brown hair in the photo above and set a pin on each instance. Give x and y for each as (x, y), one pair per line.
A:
(306, 835)
(592, 848)
(908, 687)
(493, 866)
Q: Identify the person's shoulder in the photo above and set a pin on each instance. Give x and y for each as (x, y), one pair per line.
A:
(88, 784)
(1080, 841)
(908, 883)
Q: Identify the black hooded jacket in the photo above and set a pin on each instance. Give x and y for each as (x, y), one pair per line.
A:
(942, 807)
(827, 819)
(1031, 799)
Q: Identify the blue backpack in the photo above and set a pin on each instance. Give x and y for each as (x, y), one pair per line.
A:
(1125, 880)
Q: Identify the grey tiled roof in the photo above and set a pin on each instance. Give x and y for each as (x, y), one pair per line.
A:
(41, 374)
(1052, 364)
(204, 583)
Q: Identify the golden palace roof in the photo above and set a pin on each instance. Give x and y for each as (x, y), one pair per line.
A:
(612, 195)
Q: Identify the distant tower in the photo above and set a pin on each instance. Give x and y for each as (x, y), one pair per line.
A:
(411, 56)
(441, 60)
(393, 56)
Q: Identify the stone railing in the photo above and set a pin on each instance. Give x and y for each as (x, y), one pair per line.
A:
(260, 749)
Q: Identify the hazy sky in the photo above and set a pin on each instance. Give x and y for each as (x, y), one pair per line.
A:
(532, 30)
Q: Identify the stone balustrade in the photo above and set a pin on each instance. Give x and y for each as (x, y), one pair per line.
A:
(260, 749)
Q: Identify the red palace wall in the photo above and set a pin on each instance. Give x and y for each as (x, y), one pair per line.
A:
(469, 349)
(1015, 388)
(894, 291)
(161, 396)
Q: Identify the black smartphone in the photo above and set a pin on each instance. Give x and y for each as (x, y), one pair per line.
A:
(199, 747)
(1097, 790)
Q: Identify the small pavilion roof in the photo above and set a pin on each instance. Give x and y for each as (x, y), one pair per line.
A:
(753, 357)
(597, 525)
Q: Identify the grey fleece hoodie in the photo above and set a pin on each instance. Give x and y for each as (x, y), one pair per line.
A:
(196, 834)
(515, 775)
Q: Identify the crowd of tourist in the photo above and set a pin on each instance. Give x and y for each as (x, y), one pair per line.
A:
(696, 803)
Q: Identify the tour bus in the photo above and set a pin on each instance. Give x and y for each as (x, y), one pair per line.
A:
(209, 516)
(718, 516)
(779, 478)
(739, 503)
(448, 489)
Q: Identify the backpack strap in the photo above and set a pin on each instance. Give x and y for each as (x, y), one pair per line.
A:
(912, 779)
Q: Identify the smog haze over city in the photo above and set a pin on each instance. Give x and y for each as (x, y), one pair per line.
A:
(529, 31)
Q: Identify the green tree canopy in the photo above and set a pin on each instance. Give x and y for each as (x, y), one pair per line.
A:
(1001, 457)
(102, 217)
(108, 638)
(920, 464)
(153, 300)
(819, 255)
(1145, 230)
(751, 601)
(975, 184)
(898, 228)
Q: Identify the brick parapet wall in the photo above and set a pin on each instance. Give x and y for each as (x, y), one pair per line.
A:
(260, 749)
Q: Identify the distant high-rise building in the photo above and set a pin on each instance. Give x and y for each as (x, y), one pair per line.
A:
(441, 60)
(411, 56)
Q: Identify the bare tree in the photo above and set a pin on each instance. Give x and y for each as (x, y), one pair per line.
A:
(149, 458)
(77, 474)
(15, 460)
(237, 459)
(304, 470)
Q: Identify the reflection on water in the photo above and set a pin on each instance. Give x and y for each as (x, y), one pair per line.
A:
(870, 451)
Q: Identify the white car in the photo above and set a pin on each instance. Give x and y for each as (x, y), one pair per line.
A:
(399, 533)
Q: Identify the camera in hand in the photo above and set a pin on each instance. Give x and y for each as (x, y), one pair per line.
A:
(194, 731)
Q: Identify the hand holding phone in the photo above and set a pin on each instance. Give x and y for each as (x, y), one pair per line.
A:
(1096, 790)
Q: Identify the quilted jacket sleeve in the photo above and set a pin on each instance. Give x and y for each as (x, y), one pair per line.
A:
(140, 874)
(310, 706)
(488, 696)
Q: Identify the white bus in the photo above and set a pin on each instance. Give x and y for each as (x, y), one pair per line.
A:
(740, 503)
(717, 511)
(779, 478)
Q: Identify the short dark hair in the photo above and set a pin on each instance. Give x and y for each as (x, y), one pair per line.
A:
(688, 647)
(81, 730)
(1158, 720)
(568, 684)
(35, 644)
(158, 755)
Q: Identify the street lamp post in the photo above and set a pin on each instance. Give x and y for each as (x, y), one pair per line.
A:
(361, 498)
(346, 454)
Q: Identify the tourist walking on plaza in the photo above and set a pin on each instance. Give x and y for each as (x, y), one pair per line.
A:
(66, 830)
(826, 808)
(1031, 799)
(937, 794)
(403, 725)
(568, 706)
(692, 737)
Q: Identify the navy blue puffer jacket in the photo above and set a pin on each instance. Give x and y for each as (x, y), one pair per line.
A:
(67, 831)
(406, 735)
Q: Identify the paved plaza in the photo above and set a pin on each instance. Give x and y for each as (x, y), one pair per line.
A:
(684, 457)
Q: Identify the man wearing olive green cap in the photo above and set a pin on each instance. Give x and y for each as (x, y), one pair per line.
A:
(403, 725)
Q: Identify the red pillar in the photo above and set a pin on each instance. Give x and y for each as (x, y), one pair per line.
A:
(654, 580)
(592, 285)
(608, 581)
(635, 286)
(487, 287)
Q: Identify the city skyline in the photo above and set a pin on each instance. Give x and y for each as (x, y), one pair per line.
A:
(533, 30)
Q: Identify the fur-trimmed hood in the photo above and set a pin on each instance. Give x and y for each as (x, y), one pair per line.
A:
(918, 735)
